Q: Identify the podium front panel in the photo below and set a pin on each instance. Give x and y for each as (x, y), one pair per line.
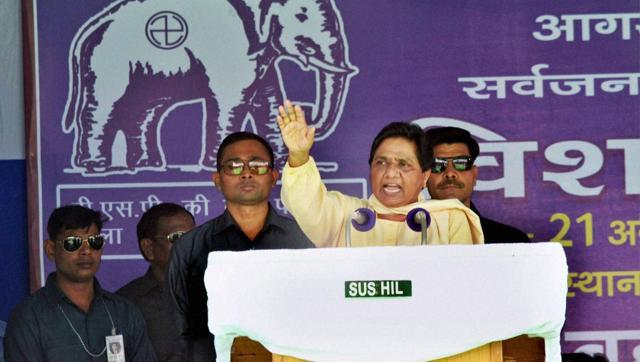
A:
(387, 303)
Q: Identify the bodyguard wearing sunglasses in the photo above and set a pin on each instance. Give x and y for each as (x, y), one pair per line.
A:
(158, 230)
(453, 176)
(72, 318)
(245, 178)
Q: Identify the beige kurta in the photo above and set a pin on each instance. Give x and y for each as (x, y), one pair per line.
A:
(322, 215)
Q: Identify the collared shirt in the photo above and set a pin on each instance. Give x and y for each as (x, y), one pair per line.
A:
(498, 233)
(322, 214)
(39, 331)
(148, 295)
(189, 255)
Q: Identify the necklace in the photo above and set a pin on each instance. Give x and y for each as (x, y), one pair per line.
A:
(113, 330)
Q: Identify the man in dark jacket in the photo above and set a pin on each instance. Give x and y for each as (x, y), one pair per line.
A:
(72, 318)
(453, 176)
(158, 229)
(245, 177)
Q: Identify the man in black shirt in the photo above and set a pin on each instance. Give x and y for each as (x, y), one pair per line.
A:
(72, 318)
(245, 177)
(453, 175)
(158, 229)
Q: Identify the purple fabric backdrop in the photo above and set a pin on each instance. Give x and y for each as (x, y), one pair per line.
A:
(135, 96)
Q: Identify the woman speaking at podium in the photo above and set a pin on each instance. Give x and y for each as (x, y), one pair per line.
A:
(399, 161)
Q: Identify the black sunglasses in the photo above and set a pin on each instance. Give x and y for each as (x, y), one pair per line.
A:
(73, 243)
(236, 167)
(173, 237)
(460, 163)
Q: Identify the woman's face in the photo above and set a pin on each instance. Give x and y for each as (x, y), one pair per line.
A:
(396, 176)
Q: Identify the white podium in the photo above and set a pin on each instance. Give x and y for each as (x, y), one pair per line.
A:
(387, 303)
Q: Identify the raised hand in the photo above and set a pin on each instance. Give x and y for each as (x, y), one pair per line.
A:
(297, 136)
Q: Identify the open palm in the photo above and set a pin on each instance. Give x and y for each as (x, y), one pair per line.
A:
(297, 136)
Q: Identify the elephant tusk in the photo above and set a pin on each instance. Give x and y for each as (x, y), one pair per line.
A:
(326, 66)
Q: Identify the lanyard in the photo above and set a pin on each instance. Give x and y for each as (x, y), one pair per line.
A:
(113, 330)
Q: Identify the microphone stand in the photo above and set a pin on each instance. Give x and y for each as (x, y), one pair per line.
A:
(419, 219)
(362, 219)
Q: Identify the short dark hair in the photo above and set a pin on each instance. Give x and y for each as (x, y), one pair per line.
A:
(441, 135)
(410, 132)
(147, 227)
(71, 217)
(241, 136)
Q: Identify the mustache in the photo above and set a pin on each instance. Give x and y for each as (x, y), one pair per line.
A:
(454, 183)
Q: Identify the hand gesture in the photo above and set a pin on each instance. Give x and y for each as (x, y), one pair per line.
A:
(295, 133)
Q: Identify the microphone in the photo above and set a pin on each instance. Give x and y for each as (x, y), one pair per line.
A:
(362, 219)
(418, 219)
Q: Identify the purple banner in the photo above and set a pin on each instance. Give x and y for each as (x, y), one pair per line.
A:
(135, 97)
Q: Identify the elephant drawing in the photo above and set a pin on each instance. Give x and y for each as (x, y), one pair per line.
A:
(137, 60)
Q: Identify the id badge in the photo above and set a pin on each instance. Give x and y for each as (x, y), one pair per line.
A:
(115, 348)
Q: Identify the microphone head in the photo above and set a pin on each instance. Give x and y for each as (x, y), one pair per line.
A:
(415, 216)
(363, 219)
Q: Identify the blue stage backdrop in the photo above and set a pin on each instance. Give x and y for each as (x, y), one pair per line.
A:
(135, 96)
(14, 271)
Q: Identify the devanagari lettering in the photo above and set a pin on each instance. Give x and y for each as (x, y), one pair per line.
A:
(152, 200)
(199, 205)
(553, 27)
(563, 85)
(84, 201)
(113, 235)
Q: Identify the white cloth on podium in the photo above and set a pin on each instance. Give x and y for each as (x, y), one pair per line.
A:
(293, 301)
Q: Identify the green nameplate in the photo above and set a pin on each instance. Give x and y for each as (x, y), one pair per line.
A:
(377, 288)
